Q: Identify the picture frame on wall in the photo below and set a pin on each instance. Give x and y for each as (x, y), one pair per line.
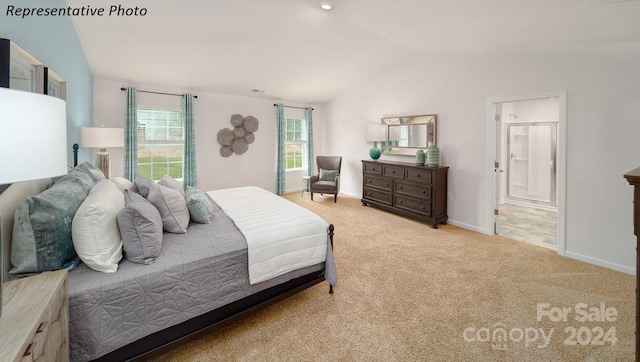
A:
(19, 69)
(54, 84)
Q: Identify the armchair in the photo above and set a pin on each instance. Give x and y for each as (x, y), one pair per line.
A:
(327, 181)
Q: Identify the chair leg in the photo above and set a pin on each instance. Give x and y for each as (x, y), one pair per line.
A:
(335, 198)
(312, 196)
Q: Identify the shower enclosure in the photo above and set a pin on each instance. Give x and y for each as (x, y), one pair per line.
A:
(531, 166)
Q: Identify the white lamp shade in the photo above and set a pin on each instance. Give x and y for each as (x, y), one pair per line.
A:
(33, 136)
(101, 137)
(376, 132)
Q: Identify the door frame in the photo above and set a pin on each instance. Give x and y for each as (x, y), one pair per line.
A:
(561, 161)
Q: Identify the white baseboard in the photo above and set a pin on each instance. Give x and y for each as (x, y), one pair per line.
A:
(469, 227)
(357, 196)
(600, 262)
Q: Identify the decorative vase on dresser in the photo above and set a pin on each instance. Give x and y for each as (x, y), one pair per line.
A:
(433, 155)
(420, 158)
(407, 189)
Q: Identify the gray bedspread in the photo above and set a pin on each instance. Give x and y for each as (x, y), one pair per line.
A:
(196, 272)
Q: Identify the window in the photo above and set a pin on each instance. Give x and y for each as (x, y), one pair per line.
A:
(295, 144)
(160, 143)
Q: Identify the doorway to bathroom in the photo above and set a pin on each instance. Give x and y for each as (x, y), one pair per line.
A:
(527, 171)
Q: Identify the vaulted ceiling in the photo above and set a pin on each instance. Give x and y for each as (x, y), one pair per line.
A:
(295, 51)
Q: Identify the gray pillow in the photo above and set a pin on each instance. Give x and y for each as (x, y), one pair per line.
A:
(42, 228)
(199, 205)
(142, 185)
(172, 207)
(171, 183)
(140, 226)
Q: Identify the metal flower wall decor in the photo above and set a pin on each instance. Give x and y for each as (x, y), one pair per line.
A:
(238, 140)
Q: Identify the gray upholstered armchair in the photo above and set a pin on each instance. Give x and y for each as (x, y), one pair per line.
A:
(327, 181)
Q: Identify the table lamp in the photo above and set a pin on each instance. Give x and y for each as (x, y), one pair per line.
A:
(33, 142)
(375, 133)
(102, 138)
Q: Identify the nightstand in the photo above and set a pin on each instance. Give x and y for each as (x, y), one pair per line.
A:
(35, 318)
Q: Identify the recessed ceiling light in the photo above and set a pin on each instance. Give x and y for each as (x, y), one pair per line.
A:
(255, 90)
(325, 5)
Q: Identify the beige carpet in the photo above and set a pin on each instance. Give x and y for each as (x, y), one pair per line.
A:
(407, 292)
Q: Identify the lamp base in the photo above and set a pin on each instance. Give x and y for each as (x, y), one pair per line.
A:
(375, 152)
(103, 163)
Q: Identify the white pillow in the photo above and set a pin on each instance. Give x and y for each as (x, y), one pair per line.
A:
(94, 230)
(122, 183)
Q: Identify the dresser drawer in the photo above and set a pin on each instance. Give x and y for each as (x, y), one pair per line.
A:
(415, 205)
(372, 168)
(376, 195)
(383, 183)
(418, 175)
(411, 189)
(393, 171)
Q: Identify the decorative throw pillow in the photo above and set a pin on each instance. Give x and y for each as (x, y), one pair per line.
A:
(171, 183)
(141, 229)
(142, 185)
(122, 183)
(172, 207)
(328, 175)
(199, 205)
(42, 227)
(90, 169)
(95, 232)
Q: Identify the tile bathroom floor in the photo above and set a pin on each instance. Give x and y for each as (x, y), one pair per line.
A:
(528, 224)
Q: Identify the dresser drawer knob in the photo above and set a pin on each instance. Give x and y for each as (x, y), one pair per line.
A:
(401, 187)
(419, 175)
(387, 184)
(400, 201)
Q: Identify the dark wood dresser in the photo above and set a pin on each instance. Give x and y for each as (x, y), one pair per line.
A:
(406, 189)
(633, 177)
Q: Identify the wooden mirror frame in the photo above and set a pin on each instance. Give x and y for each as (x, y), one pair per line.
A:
(430, 137)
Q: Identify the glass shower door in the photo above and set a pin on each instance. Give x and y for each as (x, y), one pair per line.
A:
(531, 174)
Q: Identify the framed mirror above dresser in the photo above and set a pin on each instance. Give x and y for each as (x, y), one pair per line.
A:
(407, 134)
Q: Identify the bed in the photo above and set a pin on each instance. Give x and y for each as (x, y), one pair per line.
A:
(202, 279)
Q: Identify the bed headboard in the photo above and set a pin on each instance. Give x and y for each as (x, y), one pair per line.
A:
(10, 199)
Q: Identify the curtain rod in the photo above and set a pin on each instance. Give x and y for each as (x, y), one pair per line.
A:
(144, 91)
(275, 104)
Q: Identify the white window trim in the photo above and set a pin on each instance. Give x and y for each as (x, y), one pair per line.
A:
(304, 143)
(162, 142)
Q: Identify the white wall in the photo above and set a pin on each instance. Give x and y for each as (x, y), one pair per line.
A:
(212, 113)
(603, 107)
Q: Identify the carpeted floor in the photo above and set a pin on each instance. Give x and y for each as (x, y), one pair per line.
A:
(407, 292)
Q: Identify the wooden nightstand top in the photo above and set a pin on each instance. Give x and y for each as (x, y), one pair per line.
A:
(24, 304)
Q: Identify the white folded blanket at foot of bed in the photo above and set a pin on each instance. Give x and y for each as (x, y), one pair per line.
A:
(281, 236)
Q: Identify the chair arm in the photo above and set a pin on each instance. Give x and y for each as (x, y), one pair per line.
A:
(338, 183)
(313, 179)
